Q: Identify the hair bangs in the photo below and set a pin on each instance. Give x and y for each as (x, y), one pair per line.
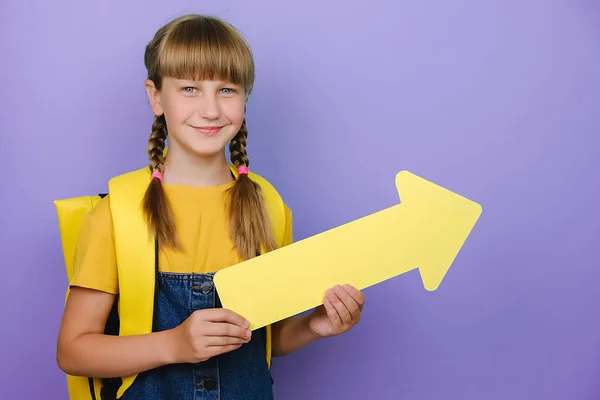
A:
(203, 49)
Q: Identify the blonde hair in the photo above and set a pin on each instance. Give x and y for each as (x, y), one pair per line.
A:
(202, 47)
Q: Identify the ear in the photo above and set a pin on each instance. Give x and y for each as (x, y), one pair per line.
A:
(153, 97)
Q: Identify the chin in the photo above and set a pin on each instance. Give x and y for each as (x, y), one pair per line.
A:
(208, 149)
(205, 146)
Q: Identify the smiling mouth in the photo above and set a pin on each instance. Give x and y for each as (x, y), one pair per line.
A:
(208, 130)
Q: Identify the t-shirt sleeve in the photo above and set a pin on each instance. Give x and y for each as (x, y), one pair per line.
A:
(288, 237)
(95, 263)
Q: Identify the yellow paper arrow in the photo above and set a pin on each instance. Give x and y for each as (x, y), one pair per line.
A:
(425, 231)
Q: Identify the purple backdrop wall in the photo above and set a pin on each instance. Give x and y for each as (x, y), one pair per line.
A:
(496, 100)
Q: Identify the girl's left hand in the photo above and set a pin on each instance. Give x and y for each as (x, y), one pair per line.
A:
(339, 313)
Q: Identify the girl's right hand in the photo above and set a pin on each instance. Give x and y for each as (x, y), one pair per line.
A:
(208, 333)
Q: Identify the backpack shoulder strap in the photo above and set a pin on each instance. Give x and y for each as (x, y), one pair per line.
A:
(135, 253)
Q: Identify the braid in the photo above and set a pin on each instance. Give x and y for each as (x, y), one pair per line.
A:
(237, 147)
(250, 228)
(156, 144)
(157, 208)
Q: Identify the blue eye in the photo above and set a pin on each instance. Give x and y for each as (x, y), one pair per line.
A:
(227, 90)
(189, 89)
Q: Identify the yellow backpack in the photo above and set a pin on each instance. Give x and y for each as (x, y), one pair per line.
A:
(135, 251)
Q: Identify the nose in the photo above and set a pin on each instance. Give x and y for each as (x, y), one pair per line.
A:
(209, 107)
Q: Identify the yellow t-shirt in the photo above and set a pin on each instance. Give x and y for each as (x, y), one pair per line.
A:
(202, 225)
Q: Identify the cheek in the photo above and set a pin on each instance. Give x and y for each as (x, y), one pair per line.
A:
(175, 110)
(177, 115)
(235, 111)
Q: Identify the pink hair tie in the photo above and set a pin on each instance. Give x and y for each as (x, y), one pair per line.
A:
(157, 174)
(242, 170)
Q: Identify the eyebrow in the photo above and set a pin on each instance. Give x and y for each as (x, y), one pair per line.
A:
(203, 80)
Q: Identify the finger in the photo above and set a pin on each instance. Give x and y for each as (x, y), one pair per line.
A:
(340, 308)
(356, 295)
(213, 351)
(349, 302)
(332, 314)
(226, 329)
(223, 341)
(225, 315)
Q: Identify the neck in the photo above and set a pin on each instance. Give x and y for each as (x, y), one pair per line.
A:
(184, 168)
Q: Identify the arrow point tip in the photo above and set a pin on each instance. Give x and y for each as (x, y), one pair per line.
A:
(402, 174)
(432, 277)
(431, 287)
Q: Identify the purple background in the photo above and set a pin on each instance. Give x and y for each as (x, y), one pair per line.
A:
(495, 100)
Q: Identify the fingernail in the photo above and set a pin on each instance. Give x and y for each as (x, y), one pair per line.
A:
(246, 324)
(248, 333)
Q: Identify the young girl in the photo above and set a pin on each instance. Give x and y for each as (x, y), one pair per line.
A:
(204, 215)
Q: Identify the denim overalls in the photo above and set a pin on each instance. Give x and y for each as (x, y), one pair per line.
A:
(242, 374)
